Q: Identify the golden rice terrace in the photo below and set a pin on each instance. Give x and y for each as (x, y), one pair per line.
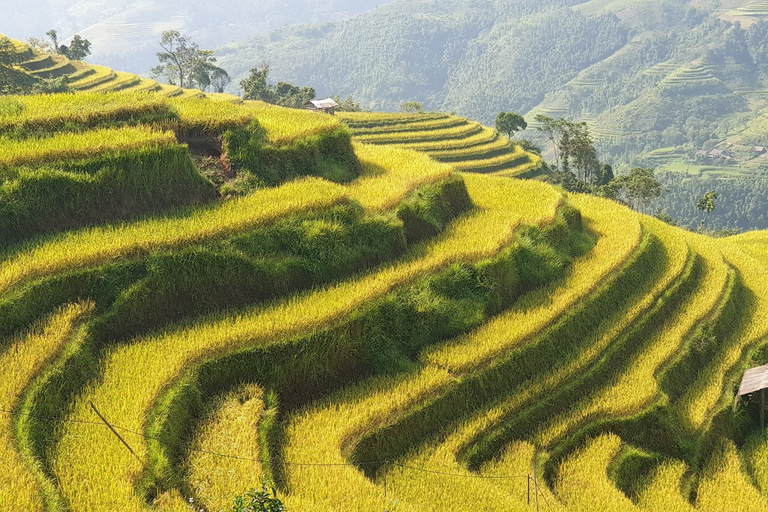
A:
(366, 312)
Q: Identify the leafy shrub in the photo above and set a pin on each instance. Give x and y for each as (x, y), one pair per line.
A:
(261, 500)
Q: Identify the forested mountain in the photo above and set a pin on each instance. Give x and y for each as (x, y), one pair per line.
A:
(473, 57)
(660, 83)
(124, 33)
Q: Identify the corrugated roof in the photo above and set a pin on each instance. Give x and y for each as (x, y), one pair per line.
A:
(753, 380)
(326, 103)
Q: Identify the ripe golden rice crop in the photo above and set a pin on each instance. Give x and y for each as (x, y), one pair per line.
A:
(20, 362)
(486, 136)
(724, 486)
(72, 146)
(707, 393)
(456, 132)
(415, 127)
(664, 492)
(320, 432)
(231, 429)
(80, 249)
(54, 112)
(159, 360)
(367, 119)
(476, 151)
(582, 483)
(636, 386)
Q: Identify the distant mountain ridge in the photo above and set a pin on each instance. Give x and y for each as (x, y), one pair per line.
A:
(124, 33)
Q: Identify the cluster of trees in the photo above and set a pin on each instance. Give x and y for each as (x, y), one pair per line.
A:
(256, 87)
(78, 48)
(577, 167)
(183, 63)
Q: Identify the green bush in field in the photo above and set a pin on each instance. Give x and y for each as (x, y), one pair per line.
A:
(258, 500)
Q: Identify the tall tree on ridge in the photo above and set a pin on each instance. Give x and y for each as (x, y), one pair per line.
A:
(707, 204)
(509, 123)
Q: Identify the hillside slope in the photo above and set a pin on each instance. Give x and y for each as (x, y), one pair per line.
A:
(365, 341)
(125, 34)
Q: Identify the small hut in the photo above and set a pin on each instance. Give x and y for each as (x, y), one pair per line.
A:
(327, 105)
(753, 386)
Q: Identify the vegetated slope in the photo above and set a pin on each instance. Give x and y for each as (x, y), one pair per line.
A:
(475, 58)
(84, 77)
(369, 340)
(465, 145)
(657, 81)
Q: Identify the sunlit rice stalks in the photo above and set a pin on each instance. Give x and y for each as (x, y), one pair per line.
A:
(370, 119)
(477, 151)
(72, 146)
(724, 486)
(414, 127)
(403, 171)
(664, 492)
(80, 249)
(324, 431)
(636, 386)
(618, 233)
(582, 481)
(231, 429)
(100, 76)
(159, 360)
(708, 391)
(464, 130)
(56, 111)
(21, 360)
(486, 136)
(518, 156)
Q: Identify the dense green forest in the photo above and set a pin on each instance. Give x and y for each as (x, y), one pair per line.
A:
(741, 204)
(656, 81)
(471, 57)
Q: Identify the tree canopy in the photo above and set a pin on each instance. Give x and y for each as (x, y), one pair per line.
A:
(255, 87)
(510, 123)
(183, 63)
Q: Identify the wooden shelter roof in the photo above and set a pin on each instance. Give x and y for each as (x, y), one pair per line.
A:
(753, 380)
(324, 104)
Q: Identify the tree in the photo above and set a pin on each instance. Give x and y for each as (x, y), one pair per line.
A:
(291, 96)
(219, 79)
(176, 60)
(582, 150)
(347, 105)
(606, 175)
(640, 186)
(54, 37)
(79, 48)
(40, 45)
(412, 107)
(183, 63)
(510, 123)
(255, 85)
(706, 204)
(553, 130)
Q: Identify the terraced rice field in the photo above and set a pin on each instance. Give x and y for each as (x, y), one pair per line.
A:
(755, 9)
(92, 78)
(414, 337)
(465, 145)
